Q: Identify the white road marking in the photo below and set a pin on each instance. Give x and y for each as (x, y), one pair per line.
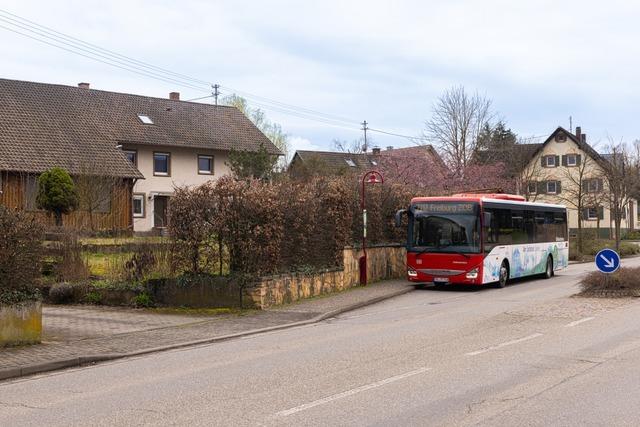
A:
(348, 393)
(504, 344)
(577, 322)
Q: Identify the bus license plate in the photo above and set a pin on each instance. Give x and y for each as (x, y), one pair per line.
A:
(441, 280)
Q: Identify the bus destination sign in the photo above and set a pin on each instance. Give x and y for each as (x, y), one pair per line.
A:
(446, 208)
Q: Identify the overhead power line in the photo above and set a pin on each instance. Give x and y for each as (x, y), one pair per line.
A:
(54, 38)
(19, 19)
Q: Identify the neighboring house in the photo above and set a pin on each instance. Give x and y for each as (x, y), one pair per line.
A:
(152, 144)
(566, 170)
(305, 162)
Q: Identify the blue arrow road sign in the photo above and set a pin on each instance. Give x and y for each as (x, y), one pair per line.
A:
(607, 260)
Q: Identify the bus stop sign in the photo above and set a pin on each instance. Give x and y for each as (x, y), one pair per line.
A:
(607, 261)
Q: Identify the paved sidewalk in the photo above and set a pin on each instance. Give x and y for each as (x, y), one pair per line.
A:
(74, 332)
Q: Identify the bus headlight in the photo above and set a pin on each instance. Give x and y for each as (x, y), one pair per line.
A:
(411, 272)
(473, 274)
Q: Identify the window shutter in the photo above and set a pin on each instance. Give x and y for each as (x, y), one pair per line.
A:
(578, 159)
(557, 162)
(600, 212)
(558, 187)
(543, 161)
(600, 184)
(542, 187)
(564, 160)
(585, 213)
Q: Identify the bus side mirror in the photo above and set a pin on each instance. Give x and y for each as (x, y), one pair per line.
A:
(486, 219)
(399, 217)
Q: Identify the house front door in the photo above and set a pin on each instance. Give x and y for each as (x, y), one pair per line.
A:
(160, 208)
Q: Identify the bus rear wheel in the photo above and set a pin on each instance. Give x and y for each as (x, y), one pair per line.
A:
(548, 272)
(503, 278)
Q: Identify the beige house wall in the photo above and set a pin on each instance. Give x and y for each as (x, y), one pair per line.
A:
(183, 172)
(592, 169)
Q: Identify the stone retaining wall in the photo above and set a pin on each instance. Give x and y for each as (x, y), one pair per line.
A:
(383, 263)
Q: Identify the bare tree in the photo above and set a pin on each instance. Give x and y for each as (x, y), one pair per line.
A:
(95, 187)
(574, 192)
(528, 172)
(620, 176)
(354, 147)
(456, 121)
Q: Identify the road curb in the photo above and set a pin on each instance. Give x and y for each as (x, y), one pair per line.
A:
(77, 361)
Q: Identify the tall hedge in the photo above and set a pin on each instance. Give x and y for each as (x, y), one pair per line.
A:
(20, 256)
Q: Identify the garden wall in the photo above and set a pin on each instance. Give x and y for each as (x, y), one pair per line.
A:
(384, 262)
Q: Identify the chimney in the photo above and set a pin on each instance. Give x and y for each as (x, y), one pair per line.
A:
(579, 133)
(83, 85)
(584, 138)
(376, 151)
(175, 96)
(389, 147)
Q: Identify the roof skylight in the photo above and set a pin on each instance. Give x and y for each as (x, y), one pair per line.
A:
(145, 119)
(350, 162)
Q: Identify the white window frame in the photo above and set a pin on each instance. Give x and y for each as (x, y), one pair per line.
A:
(142, 197)
(535, 187)
(205, 172)
(553, 161)
(575, 160)
(555, 187)
(145, 119)
(589, 216)
(592, 186)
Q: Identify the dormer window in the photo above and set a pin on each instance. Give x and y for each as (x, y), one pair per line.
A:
(350, 163)
(145, 119)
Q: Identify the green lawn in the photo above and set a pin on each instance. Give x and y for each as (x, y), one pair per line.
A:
(110, 241)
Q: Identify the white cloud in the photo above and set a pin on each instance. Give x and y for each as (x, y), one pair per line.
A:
(382, 61)
(300, 143)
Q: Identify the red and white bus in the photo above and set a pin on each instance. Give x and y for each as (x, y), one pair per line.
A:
(477, 239)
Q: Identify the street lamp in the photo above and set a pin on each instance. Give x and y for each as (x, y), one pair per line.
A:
(371, 177)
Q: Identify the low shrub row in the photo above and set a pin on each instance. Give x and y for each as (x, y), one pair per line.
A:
(625, 279)
(186, 290)
(591, 247)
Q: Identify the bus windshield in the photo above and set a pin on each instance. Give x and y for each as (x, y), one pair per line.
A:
(444, 228)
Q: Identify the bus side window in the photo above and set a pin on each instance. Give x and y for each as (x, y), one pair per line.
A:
(490, 230)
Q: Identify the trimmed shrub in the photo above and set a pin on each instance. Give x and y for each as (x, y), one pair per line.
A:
(623, 279)
(57, 193)
(20, 256)
(61, 293)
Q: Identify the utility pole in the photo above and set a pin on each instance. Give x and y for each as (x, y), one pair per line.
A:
(215, 92)
(365, 128)
(570, 124)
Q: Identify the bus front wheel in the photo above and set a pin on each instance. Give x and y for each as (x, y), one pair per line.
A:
(503, 278)
(548, 272)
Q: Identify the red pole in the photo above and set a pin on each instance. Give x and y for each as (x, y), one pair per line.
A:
(373, 179)
(363, 261)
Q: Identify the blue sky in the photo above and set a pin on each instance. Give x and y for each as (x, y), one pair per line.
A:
(383, 61)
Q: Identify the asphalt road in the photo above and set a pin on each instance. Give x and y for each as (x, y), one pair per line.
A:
(523, 355)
